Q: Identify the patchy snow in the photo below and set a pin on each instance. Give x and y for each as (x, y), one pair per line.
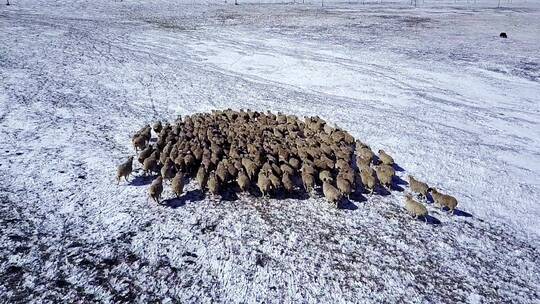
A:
(434, 86)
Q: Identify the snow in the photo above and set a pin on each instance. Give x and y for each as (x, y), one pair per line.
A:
(434, 86)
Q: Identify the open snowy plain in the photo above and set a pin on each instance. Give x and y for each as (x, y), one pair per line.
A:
(434, 86)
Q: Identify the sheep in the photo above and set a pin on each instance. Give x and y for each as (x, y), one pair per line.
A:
(368, 180)
(308, 169)
(418, 186)
(331, 193)
(167, 171)
(285, 168)
(362, 162)
(414, 208)
(150, 164)
(276, 181)
(287, 182)
(366, 154)
(177, 183)
(213, 184)
(250, 166)
(124, 170)
(294, 162)
(201, 177)
(309, 182)
(243, 180)
(144, 154)
(385, 158)
(325, 174)
(139, 142)
(344, 186)
(222, 172)
(264, 183)
(444, 200)
(156, 188)
(157, 127)
(384, 175)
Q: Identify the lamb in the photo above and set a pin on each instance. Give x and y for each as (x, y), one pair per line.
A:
(385, 158)
(156, 188)
(418, 186)
(414, 208)
(124, 170)
(444, 200)
(177, 183)
(331, 193)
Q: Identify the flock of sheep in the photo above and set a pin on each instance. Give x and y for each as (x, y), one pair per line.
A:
(274, 154)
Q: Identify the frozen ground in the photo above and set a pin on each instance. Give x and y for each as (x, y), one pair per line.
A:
(434, 86)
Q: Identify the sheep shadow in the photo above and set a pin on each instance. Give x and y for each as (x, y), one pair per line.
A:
(380, 190)
(142, 180)
(458, 212)
(399, 181)
(346, 205)
(229, 195)
(297, 194)
(396, 187)
(432, 220)
(357, 196)
(189, 196)
(398, 168)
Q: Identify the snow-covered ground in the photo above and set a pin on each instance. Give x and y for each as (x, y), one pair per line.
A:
(434, 86)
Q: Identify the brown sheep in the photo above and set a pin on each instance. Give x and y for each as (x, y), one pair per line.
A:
(156, 188)
(444, 200)
(331, 193)
(243, 181)
(213, 184)
(309, 182)
(384, 175)
(177, 183)
(385, 158)
(418, 186)
(368, 180)
(414, 208)
(124, 170)
(264, 183)
(344, 186)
